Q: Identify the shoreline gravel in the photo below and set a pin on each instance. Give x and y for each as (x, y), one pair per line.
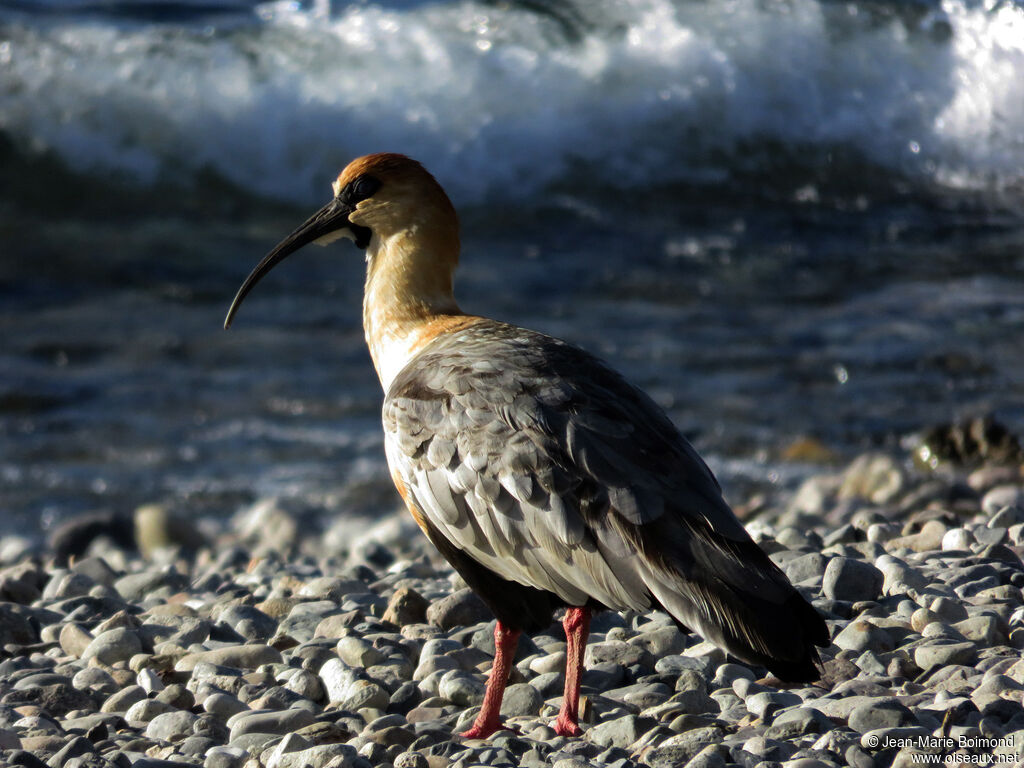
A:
(269, 643)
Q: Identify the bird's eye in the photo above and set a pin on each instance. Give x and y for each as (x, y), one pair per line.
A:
(363, 187)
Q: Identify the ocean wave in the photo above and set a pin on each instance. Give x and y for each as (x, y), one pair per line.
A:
(503, 101)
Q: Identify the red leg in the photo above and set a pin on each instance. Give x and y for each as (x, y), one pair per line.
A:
(577, 627)
(489, 720)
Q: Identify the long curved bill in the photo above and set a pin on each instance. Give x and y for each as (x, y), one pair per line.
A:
(330, 220)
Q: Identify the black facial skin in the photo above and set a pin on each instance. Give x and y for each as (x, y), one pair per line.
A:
(354, 193)
(330, 218)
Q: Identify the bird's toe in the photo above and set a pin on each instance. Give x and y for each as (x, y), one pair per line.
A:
(564, 726)
(484, 730)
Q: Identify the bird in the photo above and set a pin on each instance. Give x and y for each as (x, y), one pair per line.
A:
(543, 477)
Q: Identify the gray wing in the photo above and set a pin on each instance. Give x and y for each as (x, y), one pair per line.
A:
(543, 465)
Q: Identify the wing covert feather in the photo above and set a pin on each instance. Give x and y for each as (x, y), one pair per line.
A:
(553, 472)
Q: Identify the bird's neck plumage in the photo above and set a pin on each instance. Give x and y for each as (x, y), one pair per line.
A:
(408, 297)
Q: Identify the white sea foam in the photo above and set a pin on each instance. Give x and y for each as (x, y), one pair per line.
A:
(501, 102)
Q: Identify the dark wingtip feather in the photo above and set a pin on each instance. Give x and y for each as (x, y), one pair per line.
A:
(812, 632)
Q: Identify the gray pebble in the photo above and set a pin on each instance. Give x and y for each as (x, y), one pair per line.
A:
(728, 673)
(805, 568)
(222, 705)
(1000, 497)
(936, 654)
(712, 756)
(617, 652)
(260, 626)
(521, 699)
(171, 726)
(461, 688)
(96, 680)
(861, 635)
(797, 721)
(1007, 517)
(462, 608)
(620, 732)
(411, 760)
(661, 641)
(281, 722)
(950, 610)
(114, 645)
(75, 747)
(680, 749)
(145, 710)
(122, 700)
(9, 739)
(406, 606)
(225, 757)
(765, 704)
(356, 652)
(238, 656)
(851, 580)
(335, 755)
(135, 586)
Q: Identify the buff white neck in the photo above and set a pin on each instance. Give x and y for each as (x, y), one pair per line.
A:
(408, 289)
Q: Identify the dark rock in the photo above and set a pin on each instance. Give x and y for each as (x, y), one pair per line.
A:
(971, 442)
(73, 537)
(25, 759)
(15, 628)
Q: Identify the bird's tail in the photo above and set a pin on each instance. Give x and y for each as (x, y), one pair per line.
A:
(734, 595)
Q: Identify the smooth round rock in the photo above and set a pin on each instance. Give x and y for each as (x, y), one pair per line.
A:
(171, 726)
(851, 580)
(112, 646)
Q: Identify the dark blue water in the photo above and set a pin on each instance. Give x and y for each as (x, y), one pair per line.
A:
(782, 220)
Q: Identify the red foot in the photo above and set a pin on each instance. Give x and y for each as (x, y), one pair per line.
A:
(565, 727)
(489, 721)
(484, 730)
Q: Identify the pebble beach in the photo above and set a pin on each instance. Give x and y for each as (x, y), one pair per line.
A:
(266, 641)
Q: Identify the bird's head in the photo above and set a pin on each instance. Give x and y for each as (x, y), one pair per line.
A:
(379, 200)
